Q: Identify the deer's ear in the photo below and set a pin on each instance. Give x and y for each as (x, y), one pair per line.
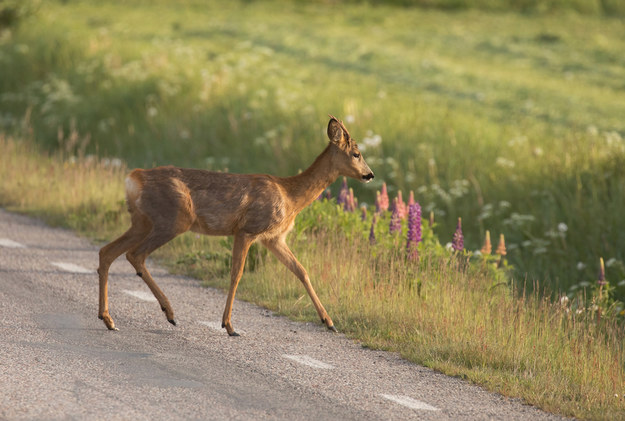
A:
(336, 133)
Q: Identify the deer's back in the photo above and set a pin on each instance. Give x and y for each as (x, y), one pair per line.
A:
(212, 203)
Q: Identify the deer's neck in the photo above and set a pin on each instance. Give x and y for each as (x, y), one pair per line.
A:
(305, 187)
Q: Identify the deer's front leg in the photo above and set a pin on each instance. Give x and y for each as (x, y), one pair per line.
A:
(242, 243)
(103, 311)
(285, 255)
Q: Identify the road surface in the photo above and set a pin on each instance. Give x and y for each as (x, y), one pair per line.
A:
(58, 361)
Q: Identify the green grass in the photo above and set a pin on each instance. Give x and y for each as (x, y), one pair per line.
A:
(447, 311)
(512, 122)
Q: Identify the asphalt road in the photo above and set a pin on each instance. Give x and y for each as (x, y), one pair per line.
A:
(58, 361)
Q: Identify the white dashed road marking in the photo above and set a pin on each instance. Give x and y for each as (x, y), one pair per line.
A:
(217, 326)
(70, 267)
(5, 242)
(409, 402)
(306, 360)
(212, 325)
(142, 295)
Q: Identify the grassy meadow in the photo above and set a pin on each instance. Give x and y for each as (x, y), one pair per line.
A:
(513, 122)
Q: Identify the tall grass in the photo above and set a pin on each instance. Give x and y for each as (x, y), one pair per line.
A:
(512, 122)
(443, 310)
(605, 7)
(81, 194)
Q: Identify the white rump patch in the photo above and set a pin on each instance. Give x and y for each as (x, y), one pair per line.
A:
(133, 190)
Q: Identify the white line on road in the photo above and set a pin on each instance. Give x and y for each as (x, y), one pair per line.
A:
(409, 402)
(142, 295)
(5, 242)
(212, 325)
(306, 360)
(70, 267)
(217, 326)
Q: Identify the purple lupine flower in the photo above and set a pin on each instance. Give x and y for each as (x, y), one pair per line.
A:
(458, 240)
(371, 231)
(414, 231)
(343, 193)
(363, 213)
(395, 225)
(601, 281)
(328, 194)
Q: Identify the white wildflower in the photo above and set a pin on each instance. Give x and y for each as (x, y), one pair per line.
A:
(372, 141)
(519, 140)
(504, 163)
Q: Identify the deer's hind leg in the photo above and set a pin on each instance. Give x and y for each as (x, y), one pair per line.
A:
(137, 256)
(135, 234)
(163, 231)
(171, 213)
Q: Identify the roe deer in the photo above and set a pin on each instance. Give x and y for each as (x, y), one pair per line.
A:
(166, 201)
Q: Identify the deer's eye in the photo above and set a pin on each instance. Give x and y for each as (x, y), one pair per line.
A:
(356, 155)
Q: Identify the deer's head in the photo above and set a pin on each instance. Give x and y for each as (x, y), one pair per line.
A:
(347, 158)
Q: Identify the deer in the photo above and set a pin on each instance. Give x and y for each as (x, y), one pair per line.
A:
(167, 201)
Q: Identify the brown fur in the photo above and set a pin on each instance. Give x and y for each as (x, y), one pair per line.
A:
(167, 201)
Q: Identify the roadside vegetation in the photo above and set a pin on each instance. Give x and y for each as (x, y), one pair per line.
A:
(452, 310)
(511, 121)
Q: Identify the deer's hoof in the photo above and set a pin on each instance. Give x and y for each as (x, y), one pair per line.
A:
(110, 325)
(333, 329)
(172, 321)
(233, 334)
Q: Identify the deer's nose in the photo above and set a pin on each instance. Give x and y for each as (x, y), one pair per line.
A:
(368, 177)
